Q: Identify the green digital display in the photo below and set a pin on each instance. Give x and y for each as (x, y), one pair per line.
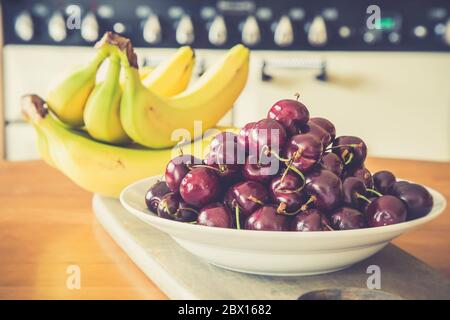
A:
(387, 23)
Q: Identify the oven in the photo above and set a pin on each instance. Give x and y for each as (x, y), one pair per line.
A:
(377, 69)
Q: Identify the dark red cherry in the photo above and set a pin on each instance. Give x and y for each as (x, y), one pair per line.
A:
(354, 192)
(243, 137)
(249, 196)
(304, 150)
(324, 189)
(177, 168)
(266, 218)
(215, 215)
(363, 174)
(287, 190)
(385, 210)
(267, 133)
(230, 173)
(347, 218)
(352, 150)
(310, 220)
(318, 132)
(417, 198)
(172, 207)
(384, 181)
(260, 170)
(221, 139)
(325, 124)
(200, 186)
(155, 194)
(330, 161)
(292, 114)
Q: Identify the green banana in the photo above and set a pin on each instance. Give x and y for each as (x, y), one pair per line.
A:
(68, 98)
(102, 114)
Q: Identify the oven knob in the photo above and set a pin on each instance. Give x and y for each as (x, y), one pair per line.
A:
(152, 29)
(57, 27)
(217, 34)
(284, 33)
(185, 31)
(250, 32)
(447, 33)
(317, 33)
(89, 27)
(24, 26)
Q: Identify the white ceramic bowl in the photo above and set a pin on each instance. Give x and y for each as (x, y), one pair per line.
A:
(273, 252)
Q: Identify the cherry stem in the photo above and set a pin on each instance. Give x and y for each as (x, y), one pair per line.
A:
(236, 212)
(282, 210)
(209, 167)
(265, 149)
(311, 199)
(360, 196)
(297, 95)
(255, 200)
(352, 145)
(374, 192)
(328, 227)
(349, 159)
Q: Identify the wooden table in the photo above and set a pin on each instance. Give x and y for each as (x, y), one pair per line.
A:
(46, 226)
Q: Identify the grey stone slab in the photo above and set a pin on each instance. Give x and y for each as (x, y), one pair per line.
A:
(183, 276)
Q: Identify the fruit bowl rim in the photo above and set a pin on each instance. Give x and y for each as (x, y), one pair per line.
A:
(151, 217)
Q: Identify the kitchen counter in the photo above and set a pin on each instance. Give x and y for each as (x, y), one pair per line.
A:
(47, 227)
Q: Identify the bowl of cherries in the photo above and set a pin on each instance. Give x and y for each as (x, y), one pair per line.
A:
(285, 196)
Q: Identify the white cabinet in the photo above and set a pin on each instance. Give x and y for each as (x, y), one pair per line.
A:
(20, 142)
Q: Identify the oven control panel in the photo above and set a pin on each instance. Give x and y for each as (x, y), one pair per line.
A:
(401, 25)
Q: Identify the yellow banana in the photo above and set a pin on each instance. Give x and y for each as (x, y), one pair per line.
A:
(95, 166)
(143, 73)
(101, 114)
(68, 98)
(172, 76)
(150, 119)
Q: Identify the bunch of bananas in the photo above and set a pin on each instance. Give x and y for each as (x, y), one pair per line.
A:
(106, 135)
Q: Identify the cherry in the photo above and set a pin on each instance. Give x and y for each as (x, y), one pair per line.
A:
(354, 191)
(326, 125)
(346, 218)
(267, 218)
(384, 181)
(417, 199)
(266, 133)
(154, 195)
(243, 137)
(324, 189)
(385, 210)
(200, 186)
(352, 150)
(363, 174)
(259, 169)
(230, 173)
(215, 215)
(177, 168)
(310, 220)
(249, 196)
(286, 191)
(292, 114)
(317, 131)
(172, 207)
(303, 150)
(330, 161)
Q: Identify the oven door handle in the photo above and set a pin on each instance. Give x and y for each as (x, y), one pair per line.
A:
(298, 63)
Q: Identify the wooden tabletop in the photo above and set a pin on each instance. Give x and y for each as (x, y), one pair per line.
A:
(47, 227)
